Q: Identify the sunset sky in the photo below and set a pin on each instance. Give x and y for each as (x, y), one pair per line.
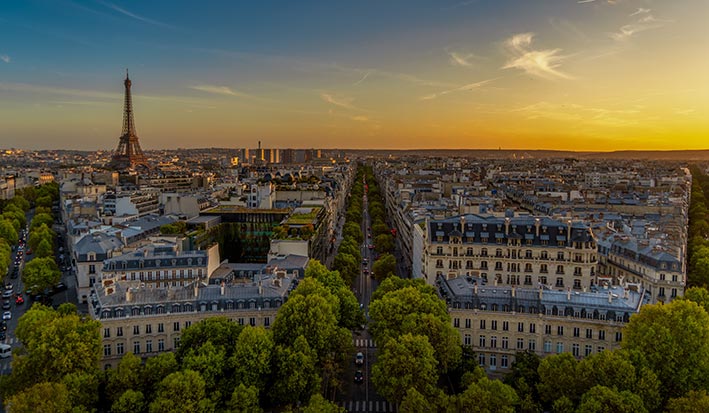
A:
(524, 74)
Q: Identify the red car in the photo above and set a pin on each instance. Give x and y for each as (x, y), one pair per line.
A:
(19, 300)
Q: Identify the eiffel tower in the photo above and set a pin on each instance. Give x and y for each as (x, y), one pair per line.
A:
(128, 155)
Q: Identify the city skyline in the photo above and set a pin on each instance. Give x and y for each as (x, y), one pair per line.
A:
(568, 75)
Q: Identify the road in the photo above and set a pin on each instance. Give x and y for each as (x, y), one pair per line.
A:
(362, 397)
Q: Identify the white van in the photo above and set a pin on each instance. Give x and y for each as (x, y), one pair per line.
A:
(5, 351)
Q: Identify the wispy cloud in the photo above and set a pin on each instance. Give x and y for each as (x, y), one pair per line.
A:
(640, 10)
(461, 59)
(341, 101)
(585, 1)
(644, 23)
(220, 90)
(360, 118)
(132, 15)
(5, 58)
(366, 75)
(572, 112)
(467, 87)
(542, 63)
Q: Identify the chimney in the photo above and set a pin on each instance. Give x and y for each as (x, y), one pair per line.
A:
(568, 293)
(537, 223)
(541, 292)
(260, 287)
(507, 226)
(129, 294)
(514, 292)
(196, 289)
(568, 233)
(610, 296)
(462, 224)
(222, 287)
(475, 288)
(626, 294)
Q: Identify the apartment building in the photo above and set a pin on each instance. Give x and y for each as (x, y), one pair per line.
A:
(516, 251)
(499, 321)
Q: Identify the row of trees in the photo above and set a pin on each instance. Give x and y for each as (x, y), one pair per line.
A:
(42, 272)
(698, 245)
(220, 365)
(383, 240)
(349, 258)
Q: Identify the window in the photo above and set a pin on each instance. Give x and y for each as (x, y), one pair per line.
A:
(266, 321)
(547, 329)
(673, 294)
(532, 345)
(176, 326)
(176, 342)
(241, 321)
(520, 344)
(106, 332)
(136, 347)
(467, 340)
(136, 330)
(467, 323)
(575, 349)
(92, 269)
(559, 347)
(161, 345)
(119, 331)
(106, 350)
(482, 341)
(532, 328)
(493, 341)
(547, 346)
(505, 342)
(601, 334)
(618, 336)
(188, 323)
(493, 361)
(520, 327)
(588, 350)
(456, 322)
(601, 349)
(543, 269)
(577, 332)
(504, 361)
(559, 281)
(493, 324)
(161, 328)
(149, 346)
(560, 330)
(589, 333)
(505, 326)
(119, 349)
(149, 329)
(481, 360)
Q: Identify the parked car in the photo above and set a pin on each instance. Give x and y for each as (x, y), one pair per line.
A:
(19, 300)
(6, 305)
(7, 294)
(60, 287)
(359, 359)
(7, 315)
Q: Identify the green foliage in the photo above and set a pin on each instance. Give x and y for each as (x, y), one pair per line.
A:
(673, 340)
(601, 399)
(41, 273)
(54, 345)
(176, 228)
(40, 219)
(318, 404)
(41, 397)
(488, 396)
(219, 331)
(8, 231)
(156, 369)
(44, 249)
(384, 243)
(404, 363)
(558, 378)
(210, 362)
(692, 402)
(244, 399)
(131, 401)
(384, 267)
(83, 388)
(252, 357)
(5, 256)
(39, 234)
(347, 265)
(349, 315)
(183, 391)
(296, 376)
(127, 376)
(19, 202)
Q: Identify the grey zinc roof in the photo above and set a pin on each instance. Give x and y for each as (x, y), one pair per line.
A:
(98, 243)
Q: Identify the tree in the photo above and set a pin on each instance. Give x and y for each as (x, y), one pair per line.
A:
(42, 397)
(183, 391)
(406, 362)
(295, 374)
(5, 256)
(220, 331)
(252, 357)
(245, 399)
(699, 295)
(20, 202)
(44, 249)
(8, 232)
(40, 219)
(415, 402)
(384, 243)
(41, 273)
(558, 378)
(601, 399)
(347, 266)
(127, 376)
(83, 388)
(692, 402)
(488, 396)
(384, 267)
(130, 401)
(673, 340)
(155, 370)
(38, 234)
(210, 362)
(443, 337)
(54, 345)
(318, 404)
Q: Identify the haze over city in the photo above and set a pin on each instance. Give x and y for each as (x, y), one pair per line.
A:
(595, 75)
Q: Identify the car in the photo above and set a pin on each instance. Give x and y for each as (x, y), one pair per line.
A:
(29, 251)
(60, 287)
(3, 336)
(365, 260)
(8, 287)
(3, 325)
(371, 274)
(370, 246)
(7, 294)
(359, 359)
(7, 315)
(6, 305)
(365, 271)
(359, 377)
(19, 300)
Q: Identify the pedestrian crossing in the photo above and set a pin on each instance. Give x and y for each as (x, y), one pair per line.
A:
(372, 406)
(364, 343)
(10, 341)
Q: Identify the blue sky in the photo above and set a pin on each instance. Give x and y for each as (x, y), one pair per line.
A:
(560, 74)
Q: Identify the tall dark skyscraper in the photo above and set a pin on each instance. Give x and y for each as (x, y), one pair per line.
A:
(128, 154)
